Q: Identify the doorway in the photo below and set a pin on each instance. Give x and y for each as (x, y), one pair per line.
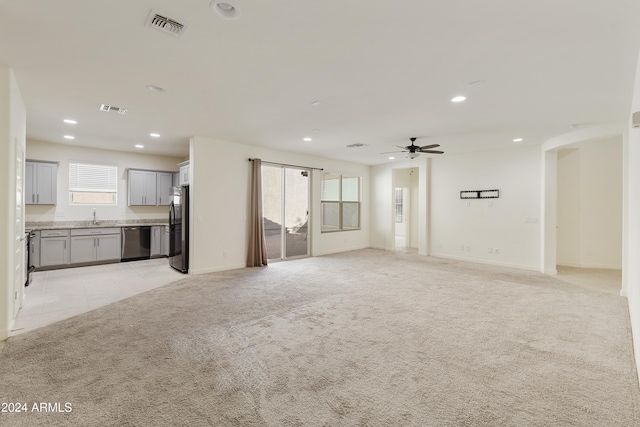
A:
(405, 209)
(285, 202)
(402, 232)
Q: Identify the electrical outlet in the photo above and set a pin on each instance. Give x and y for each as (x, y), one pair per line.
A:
(468, 248)
(490, 204)
(468, 204)
(490, 250)
(462, 247)
(496, 251)
(440, 246)
(224, 254)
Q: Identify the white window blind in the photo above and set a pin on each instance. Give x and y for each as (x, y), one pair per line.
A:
(92, 177)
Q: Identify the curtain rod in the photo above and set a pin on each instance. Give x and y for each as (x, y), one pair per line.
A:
(284, 164)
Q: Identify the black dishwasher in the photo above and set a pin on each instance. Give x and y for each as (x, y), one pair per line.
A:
(136, 243)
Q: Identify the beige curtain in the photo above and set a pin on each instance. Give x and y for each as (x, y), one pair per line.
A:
(257, 256)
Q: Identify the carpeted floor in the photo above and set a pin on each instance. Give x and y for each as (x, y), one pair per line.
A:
(365, 338)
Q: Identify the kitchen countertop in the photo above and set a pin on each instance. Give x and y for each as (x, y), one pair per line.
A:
(64, 225)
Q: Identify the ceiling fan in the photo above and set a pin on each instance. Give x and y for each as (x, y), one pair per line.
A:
(414, 151)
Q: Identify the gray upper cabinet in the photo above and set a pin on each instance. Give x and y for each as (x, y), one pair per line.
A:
(142, 188)
(149, 188)
(184, 173)
(41, 183)
(164, 184)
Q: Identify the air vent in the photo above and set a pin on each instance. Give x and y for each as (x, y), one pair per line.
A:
(107, 108)
(165, 24)
(356, 145)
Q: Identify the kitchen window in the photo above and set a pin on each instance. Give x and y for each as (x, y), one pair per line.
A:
(340, 200)
(93, 183)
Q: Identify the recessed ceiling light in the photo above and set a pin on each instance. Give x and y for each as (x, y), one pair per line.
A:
(517, 140)
(458, 98)
(69, 137)
(139, 146)
(224, 9)
(306, 139)
(71, 122)
(155, 135)
(316, 103)
(154, 88)
(392, 158)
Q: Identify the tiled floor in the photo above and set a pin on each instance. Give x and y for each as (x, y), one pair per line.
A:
(60, 294)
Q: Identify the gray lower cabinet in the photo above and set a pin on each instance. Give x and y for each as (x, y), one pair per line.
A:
(158, 240)
(91, 245)
(165, 246)
(54, 247)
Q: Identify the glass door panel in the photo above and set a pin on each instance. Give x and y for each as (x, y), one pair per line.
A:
(285, 204)
(296, 208)
(272, 210)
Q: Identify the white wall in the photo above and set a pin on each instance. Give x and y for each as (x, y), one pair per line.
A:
(64, 211)
(568, 205)
(469, 229)
(590, 205)
(631, 226)
(12, 133)
(220, 188)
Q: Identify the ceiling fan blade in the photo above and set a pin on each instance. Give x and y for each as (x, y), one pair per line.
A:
(426, 147)
(400, 146)
(391, 152)
(432, 151)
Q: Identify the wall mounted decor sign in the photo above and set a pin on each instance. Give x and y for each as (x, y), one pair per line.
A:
(480, 194)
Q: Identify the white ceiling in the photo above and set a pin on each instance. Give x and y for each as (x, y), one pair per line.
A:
(384, 71)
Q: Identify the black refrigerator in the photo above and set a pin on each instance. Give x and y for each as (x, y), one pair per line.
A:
(179, 229)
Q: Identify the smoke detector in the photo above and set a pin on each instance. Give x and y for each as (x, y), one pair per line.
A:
(108, 108)
(162, 22)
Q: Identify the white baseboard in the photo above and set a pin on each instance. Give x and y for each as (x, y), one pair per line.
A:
(590, 265)
(337, 251)
(217, 269)
(482, 261)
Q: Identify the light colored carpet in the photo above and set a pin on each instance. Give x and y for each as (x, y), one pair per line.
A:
(364, 338)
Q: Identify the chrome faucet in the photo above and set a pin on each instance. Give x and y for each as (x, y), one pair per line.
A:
(95, 222)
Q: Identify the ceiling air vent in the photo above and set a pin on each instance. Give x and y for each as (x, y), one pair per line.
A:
(107, 108)
(166, 25)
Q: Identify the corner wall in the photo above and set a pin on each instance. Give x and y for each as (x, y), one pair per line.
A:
(631, 225)
(220, 188)
(12, 132)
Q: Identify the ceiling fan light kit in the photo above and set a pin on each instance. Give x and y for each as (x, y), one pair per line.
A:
(414, 151)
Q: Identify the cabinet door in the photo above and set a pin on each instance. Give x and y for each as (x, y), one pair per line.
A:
(54, 251)
(184, 175)
(29, 183)
(165, 241)
(156, 240)
(108, 247)
(46, 183)
(136, 188)
(83, 249)
(150, 186)
(164, 188)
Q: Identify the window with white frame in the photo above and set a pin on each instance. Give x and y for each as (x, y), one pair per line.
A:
(340, 200)
(92, 183)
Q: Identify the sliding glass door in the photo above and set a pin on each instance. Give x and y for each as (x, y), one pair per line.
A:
(285, 204)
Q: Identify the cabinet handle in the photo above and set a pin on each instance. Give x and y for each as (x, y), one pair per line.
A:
(33, 198)
(65, 244)
(98, 242)
(38, 198)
